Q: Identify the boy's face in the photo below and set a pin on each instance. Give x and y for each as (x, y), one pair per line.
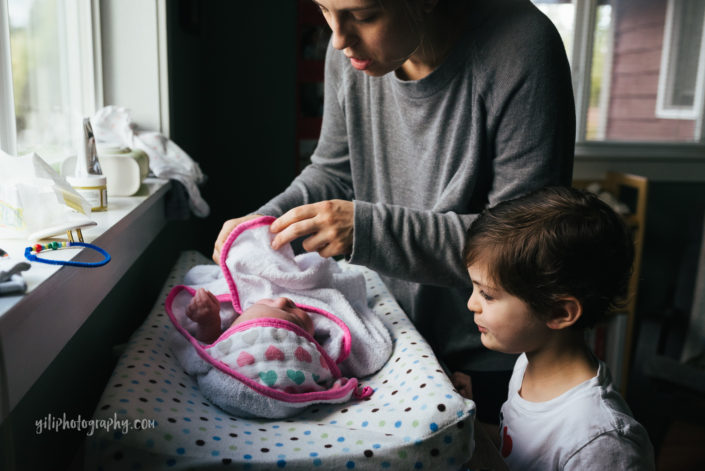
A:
(506, 323)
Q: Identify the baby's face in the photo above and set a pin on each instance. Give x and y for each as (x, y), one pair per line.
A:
(279, 308)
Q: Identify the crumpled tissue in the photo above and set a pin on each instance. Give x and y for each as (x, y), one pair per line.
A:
(35, 201)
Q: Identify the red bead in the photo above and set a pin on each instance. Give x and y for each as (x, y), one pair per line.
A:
(37, 248)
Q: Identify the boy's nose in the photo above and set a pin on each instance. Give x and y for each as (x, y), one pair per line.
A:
(473, 305)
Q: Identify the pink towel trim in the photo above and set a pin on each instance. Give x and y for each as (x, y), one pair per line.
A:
(347, 386)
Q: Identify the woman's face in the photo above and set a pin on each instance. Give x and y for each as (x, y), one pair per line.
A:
(376, 39)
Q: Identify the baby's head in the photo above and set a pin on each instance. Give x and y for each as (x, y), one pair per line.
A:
(279, 308)
(554, 243)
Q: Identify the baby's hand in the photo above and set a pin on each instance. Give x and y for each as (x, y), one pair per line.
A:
(204, 310)
(462, 383)
(203, 306)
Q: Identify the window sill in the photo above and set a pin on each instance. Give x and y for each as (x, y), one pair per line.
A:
(60, 299)
(667, 162)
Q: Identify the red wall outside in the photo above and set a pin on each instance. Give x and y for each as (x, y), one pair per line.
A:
(637, 58)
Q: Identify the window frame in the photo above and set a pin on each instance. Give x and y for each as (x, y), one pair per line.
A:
(581, 62)
(581, 68)
(672, 161)
(8, 138)
(82, 23)
(595, 155)
(670, 36)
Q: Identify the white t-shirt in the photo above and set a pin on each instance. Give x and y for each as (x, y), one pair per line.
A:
(589, 427)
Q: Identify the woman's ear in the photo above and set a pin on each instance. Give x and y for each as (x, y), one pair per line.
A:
(567, 313)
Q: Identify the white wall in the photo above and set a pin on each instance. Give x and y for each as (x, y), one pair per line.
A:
(134, 60)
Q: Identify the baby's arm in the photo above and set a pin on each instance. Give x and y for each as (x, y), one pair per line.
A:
(204, 310)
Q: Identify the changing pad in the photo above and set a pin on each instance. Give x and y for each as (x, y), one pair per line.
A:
(153, 416)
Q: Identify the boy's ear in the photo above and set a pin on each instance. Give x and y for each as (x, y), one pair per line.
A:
(567, 313)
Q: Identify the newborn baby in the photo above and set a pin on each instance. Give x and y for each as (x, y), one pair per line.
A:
(265, 350)
(204, 310)
(268, 333)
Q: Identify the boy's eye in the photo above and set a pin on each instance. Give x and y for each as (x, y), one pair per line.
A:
(486, 296)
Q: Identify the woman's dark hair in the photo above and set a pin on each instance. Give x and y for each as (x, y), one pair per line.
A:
(555, 242)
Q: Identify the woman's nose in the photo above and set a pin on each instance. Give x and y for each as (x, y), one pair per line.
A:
(342, 37)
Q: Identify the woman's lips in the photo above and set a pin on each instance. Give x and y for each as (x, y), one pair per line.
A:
(360, 64)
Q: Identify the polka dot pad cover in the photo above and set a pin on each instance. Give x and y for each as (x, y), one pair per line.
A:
(414, 419)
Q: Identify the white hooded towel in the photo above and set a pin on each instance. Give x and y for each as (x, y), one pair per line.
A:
(268, 367)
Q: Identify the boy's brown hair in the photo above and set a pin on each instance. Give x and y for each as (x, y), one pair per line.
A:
(552, 243)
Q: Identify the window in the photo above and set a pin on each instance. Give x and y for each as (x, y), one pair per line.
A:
(50, 67)
(637, 65)
(681, 78)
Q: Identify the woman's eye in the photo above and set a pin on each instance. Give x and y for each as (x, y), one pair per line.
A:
(365, 19)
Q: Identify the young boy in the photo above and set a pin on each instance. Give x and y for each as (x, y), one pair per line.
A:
(544, 268)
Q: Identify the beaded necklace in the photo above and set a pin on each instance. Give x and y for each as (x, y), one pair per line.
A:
(31, 252)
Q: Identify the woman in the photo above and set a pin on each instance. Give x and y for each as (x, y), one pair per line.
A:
(433, 110)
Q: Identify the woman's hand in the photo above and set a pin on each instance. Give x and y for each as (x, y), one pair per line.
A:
(228, 227)
(329, 224)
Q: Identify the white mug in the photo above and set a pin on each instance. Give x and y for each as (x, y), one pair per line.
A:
(124, 168)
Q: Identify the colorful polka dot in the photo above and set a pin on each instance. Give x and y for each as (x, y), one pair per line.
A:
(320, 436)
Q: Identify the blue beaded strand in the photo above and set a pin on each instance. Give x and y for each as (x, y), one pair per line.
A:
(37, 248)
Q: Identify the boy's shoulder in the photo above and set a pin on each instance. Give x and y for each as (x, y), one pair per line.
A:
(579, 425)
(590, 409)
(608, 432)
(598, 404)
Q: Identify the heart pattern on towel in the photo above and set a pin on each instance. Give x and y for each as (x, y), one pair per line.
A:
(244, 359)
(279, 335)
(269, 377)
(273, 353)
(250, 336)
(303, 355)
(296, 376)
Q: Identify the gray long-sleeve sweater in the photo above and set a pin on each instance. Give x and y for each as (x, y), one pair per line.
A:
(421, 158)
